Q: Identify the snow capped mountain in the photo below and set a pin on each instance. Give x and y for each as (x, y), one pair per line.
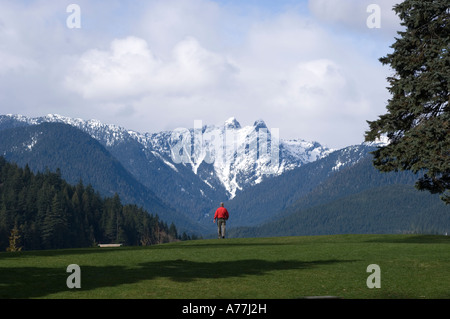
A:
(183, 174)
(108, 134)
(232, 123)
(193, 169)
(228, 154)
(238, 156)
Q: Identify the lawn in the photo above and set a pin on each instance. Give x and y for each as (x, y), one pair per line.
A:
(411, 266)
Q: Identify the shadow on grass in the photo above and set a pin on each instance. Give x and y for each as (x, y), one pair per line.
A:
(219, 244)
(96, 250)
(69, 251)
(34, 282)
(413, 239)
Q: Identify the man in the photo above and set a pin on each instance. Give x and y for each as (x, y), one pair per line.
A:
(221, 215)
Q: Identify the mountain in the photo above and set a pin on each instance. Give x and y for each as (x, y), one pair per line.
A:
(356, 199)
(78, 156)
(238, 146)
(43, 211)
(236, 157)
(271, 186)
(219, 162)
(263, 202)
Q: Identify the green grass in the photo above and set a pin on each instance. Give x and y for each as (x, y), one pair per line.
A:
(284, 267)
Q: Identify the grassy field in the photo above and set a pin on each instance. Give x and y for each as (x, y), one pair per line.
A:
(411, 266)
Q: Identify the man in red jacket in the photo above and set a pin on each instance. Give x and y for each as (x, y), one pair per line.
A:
(221, 215)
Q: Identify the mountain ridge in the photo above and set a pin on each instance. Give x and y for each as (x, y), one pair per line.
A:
(194, 187)
(357, 199)
(59, 146)
(293, 153)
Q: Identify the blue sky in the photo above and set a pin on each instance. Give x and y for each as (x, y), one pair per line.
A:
(309, 68)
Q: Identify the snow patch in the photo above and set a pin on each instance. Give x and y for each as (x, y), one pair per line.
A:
(33, 142)
(165, 161)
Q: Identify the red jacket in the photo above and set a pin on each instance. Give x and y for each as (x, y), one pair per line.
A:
(221, 212)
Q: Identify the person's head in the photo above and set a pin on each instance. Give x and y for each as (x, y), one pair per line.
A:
(221, 204)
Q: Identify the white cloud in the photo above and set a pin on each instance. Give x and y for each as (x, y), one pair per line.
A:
(158, 65)
(353, 14)
(309, 82)
(109, 74)
(165, 23)
(312, 85)
(129, 69)
(194, 68)
(12, 62)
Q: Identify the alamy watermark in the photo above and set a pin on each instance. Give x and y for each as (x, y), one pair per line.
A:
(374, 280)
(74, 280)
(73, 21)
(217, 146)
(374, 19)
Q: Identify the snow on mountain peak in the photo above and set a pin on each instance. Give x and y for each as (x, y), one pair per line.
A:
(244, 156)
(259, 124)
(232, 123)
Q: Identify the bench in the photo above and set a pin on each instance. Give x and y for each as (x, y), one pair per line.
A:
(109, 245)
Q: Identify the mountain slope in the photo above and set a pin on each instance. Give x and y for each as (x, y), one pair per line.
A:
(388, 209)
(43, 211)
(80, 157)
(358, 199)
(262, 202)
(350, 180)
(233, 156)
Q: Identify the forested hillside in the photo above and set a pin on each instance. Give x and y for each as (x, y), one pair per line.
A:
(78, 156)
(265, 201)
(358, 200)
(42, 211)
(390, 209)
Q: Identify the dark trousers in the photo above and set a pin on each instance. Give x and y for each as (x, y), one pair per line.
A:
(221, 225)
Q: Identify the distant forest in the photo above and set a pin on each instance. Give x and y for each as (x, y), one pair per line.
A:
(42, 211)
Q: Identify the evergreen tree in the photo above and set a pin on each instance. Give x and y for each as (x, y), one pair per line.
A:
(42, 211)
(173, 231)
(417, 121)
(113, 219)
(55, 228)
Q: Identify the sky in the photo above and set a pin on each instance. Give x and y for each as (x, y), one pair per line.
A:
(309, 68)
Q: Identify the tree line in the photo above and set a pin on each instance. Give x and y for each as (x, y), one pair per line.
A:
(42, 211)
